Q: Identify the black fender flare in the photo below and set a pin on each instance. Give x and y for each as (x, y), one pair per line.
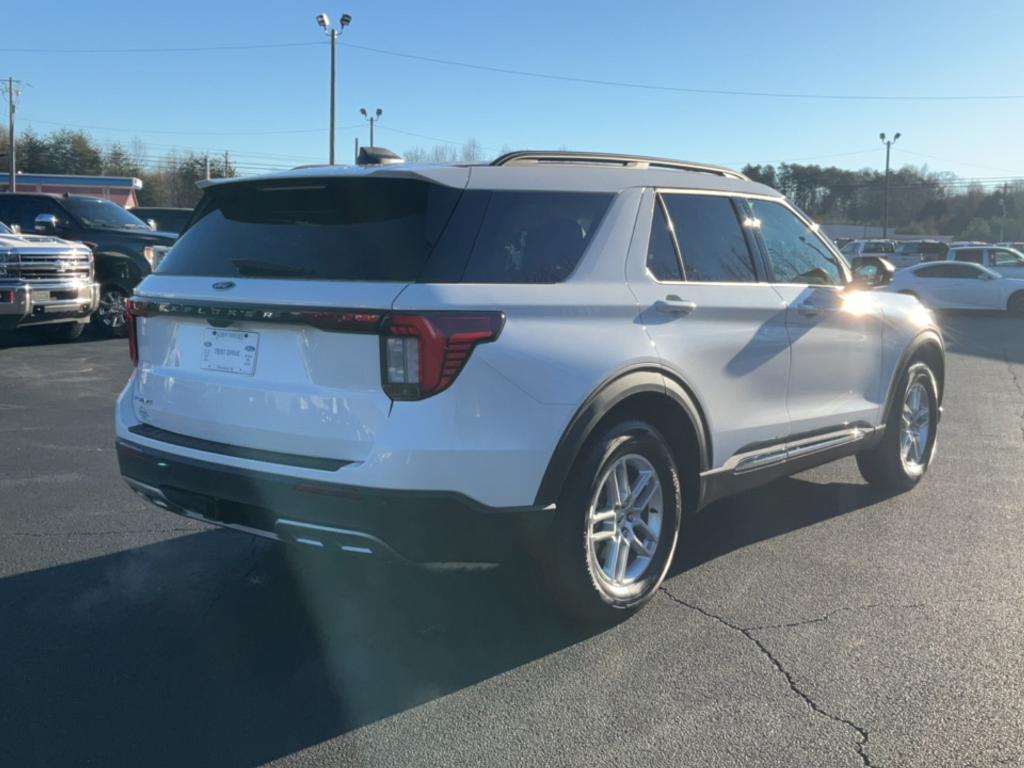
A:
(609, 394)
(118, 267)
(922, 339)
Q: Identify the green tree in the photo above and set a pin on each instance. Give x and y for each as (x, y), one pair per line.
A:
(977, 229)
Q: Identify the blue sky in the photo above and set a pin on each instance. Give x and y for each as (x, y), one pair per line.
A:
(217, 100)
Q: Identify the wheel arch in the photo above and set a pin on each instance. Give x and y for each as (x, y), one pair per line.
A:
(926, 346)
(118, 268)
(651, 393)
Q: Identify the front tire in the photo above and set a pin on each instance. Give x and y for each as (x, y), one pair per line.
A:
(618, 523)
(60, 332)
(110, 318)
(900, 460)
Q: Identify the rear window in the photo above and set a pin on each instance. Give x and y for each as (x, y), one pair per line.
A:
(386, 229)
(973, 255)
(335, 229)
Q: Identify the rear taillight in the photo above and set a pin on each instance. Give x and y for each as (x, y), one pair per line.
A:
(421, 354)
(134, 309)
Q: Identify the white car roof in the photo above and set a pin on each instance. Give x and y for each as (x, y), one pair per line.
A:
(571, 175)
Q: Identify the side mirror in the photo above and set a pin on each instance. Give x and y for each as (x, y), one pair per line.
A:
(152, 224)
(984, 276)
(46, 224)
(872, 271)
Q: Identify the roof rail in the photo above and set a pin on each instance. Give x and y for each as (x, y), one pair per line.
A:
(602, 158)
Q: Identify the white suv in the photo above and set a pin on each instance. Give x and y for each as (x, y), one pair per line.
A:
(555, 356)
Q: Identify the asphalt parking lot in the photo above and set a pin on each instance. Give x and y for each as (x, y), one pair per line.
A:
(808, 623)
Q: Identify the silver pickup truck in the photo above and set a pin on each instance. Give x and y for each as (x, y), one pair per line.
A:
(46, 283)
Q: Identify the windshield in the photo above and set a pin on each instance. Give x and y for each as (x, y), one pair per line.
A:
(103, 214)
(5, 230)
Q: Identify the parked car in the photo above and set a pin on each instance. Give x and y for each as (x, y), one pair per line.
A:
(124, 247)
(885, 249)
(551, 357)
(949, 285)
(46, 284)
(1005, 261)
(164, 219)
(1017, 246)
(911, 252)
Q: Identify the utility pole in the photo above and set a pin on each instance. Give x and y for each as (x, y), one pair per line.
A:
(324, 22)
(1002, 222)
(373, 119)
(226, 162)
(207, 167)
(885, 195)
(12, 106)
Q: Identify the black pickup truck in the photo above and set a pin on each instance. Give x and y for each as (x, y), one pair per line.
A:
(125, 248)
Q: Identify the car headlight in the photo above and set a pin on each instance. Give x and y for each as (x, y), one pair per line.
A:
(3, 262)
(155, 254)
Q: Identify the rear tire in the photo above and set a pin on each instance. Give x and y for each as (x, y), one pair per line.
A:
(902, 457)
(610, 550)
(1015, 306)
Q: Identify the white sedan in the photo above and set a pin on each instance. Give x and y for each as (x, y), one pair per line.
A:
(959, 285)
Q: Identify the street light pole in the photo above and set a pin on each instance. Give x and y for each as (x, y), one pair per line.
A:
(373, 119)
(885, 194)
(324, 21)
(12, 101)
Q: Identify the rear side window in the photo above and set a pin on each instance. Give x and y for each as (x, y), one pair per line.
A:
(711, 242)
(973, 255)
(531, 237)
(1006, 258)
(323, 229)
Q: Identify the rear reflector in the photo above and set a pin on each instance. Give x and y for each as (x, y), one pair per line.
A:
(423, 353)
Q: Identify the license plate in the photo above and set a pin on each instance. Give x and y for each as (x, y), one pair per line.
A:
(229, 351)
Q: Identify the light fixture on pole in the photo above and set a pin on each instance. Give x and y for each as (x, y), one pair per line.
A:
(885, 194)
(324, 22)
(373, 119)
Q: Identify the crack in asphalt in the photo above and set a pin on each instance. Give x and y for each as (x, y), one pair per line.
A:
(860, 732)
(892, 606)
(1017, 383)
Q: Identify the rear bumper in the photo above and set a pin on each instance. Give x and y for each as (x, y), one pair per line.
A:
(418, 526)
(23, 303)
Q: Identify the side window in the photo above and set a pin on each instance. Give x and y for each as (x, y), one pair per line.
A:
(939, 270)
(711, 241)
(662, 260)
(963, 272)
(973, 255)
(27, 208)
(1006, 259)
(534, 237)
(796, 254)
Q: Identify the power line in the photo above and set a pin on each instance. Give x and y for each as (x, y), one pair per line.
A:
(682, 89)
(177, 49)
(188, 133)
(537, 75)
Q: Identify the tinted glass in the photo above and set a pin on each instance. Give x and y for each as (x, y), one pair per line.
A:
(103, 214)
(710, 239)
(662, 260)
(23, 211)
(963, 271)
(336, 229)
(796, 254)
(939, 270)
(533, 237)
(1006, 258)
(880, 247)
(973, 255)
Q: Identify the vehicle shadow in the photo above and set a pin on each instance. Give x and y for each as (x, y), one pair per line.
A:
(996, 336)
(26, 338)
(215, 648)
(764, 513)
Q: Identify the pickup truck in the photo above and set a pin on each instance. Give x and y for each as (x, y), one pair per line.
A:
(124, 247)
(46, 284)
(1006, 261)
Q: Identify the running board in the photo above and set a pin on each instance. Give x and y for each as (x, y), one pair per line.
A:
(752, 467)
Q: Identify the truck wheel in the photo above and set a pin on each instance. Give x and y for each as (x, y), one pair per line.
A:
(900, 460)
(618, 523)
(61, 332)
(109, 317)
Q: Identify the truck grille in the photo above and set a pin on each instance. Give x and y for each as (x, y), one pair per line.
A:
(48, 267)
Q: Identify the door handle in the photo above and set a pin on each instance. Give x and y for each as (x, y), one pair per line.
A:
(673, 305)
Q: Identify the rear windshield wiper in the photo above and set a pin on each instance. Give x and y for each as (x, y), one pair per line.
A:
(267, 268)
